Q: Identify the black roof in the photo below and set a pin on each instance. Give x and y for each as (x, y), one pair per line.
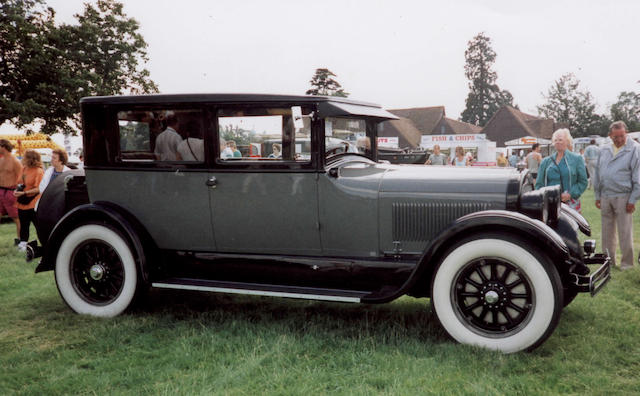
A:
(217, 97)
(329, 105)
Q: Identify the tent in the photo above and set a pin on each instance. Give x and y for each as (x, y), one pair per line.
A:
(34, 141)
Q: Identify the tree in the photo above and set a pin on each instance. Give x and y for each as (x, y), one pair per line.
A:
(322, 83)
(25, 55)
(627, 109)
(45, 69)
(566, 103)
(485, 97)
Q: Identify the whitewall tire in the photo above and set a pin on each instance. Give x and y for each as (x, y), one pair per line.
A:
(498, 293)
(96, 272)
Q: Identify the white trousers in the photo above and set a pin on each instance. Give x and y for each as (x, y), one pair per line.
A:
(614, 214)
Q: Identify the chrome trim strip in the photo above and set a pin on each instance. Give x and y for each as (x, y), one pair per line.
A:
(256, 292)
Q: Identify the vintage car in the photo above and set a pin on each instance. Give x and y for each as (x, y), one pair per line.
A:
(168, 201)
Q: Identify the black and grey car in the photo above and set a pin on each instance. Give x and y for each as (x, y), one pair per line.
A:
(306, 210)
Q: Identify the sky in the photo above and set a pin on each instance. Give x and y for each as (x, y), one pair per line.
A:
(399, 54)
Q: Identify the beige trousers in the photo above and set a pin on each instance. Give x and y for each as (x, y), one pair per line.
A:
(614, 213)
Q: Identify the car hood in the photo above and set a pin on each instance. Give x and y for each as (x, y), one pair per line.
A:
(447, 179)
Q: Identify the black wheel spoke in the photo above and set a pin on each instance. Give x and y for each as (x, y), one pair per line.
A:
(494, 317)
(473, 283)
(481, 274)
(494, 271)
(470, 294)
(472, 306)
(517, 308)
(506, 315)
(483, 314)
(505, 275)
(89, 259)
(515, 283)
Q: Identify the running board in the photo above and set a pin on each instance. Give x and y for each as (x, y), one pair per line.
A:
(256, 289)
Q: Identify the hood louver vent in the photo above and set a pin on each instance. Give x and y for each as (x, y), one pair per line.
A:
(413, 222)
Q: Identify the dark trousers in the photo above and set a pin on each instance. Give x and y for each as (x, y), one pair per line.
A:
(26, 216)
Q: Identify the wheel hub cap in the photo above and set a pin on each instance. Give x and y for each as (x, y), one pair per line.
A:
(96, 272)
(491, 297)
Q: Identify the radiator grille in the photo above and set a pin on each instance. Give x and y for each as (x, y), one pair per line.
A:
(421, 221)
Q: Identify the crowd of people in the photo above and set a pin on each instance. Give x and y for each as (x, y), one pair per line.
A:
(612, 170)
(22, 183)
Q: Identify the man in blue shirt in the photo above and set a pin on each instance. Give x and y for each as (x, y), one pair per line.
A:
(590, 159)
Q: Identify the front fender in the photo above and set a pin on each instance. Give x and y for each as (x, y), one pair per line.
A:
(104, 213)
(513, 223)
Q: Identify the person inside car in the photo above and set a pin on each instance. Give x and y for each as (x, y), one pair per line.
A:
(277, 151)
(168, 141)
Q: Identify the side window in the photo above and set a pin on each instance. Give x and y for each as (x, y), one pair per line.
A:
(346, 135)
(161, 136)
(266, 135)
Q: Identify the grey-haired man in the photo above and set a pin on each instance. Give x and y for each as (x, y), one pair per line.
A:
(617, 188)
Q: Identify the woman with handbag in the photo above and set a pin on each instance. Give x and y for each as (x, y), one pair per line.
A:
(564, 168)
(27, 194)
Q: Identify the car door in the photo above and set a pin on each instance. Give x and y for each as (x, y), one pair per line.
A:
(168, 192)
(264, 200)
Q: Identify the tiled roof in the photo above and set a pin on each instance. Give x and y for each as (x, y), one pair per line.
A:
(409, 135)
(509, 123)
(424, 119)
(454, 127)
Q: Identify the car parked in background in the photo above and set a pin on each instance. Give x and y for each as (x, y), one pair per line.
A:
(322, 220)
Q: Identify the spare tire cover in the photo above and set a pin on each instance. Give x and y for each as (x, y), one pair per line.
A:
(52, 205)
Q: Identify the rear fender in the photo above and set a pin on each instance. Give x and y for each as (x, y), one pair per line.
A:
(102, 213)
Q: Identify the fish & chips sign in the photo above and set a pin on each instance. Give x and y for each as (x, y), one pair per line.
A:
(452, 140)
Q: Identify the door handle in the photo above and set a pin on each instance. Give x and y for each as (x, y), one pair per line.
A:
(212, 181)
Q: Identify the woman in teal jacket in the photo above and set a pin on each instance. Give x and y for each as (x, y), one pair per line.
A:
(564, 168)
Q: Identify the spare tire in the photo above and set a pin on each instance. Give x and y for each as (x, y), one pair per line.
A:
(64, 193)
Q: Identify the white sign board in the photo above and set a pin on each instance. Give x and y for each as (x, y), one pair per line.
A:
(527, 141)
(391, 142)
(470, 140)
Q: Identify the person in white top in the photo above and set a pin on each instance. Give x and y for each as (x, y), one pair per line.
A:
(59, 160)
(168, 140)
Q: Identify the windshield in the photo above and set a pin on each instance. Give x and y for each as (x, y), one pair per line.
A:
(347, 135)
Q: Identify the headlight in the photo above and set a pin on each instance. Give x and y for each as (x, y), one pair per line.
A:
(543, 204)
(552, 195)
(589, 246)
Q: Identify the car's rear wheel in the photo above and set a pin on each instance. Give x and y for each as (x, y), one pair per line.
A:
(497, 292)
(96, 272)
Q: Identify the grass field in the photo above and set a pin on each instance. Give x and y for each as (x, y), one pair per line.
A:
(204, 344)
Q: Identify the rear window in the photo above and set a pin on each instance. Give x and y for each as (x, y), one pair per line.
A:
(163, 135)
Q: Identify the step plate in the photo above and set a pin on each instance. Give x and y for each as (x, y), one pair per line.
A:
(262, 290)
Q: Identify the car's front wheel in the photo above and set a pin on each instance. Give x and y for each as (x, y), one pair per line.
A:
(497, 292)
(95, 271)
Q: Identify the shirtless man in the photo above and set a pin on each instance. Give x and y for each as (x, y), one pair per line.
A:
(10, 171)
(534, 158)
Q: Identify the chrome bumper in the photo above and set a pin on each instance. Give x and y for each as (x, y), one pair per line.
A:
(595, 281)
